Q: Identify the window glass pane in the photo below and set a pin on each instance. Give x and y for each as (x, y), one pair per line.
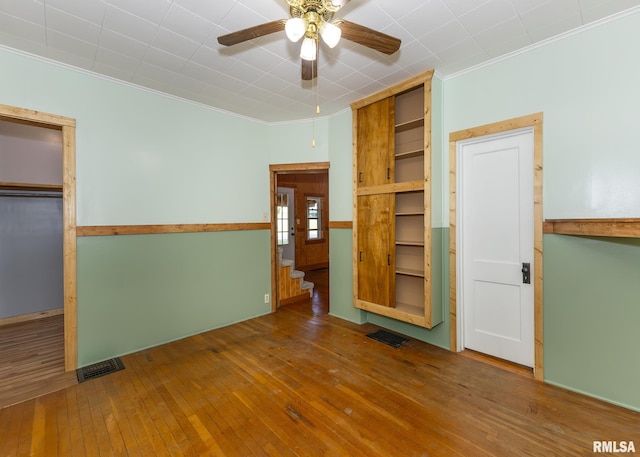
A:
(282, 215)
(314, 211)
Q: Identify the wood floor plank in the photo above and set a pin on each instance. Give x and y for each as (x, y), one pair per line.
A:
(32, 360)
(302, 383)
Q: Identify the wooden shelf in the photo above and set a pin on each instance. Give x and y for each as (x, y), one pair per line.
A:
(30, 186)
(409, 243)
(409, 154)
(410, 125)
(410, 272)
(627, 228)
(412, 213)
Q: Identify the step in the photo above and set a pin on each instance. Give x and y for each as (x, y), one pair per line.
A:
(307, 285)
(286, 262)
(297, 274)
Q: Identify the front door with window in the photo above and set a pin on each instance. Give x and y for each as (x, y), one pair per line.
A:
(286, 229)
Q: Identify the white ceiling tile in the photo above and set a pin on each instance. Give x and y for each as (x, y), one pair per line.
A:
(464, 50)
(159, 74)
(505, 31)
(115, 60)
(89, 10)
(260, 58)
(426, 18)
(212, 58)
(241, 17)
(555, 27)
(114, 72)
(187, 24)
(121, 44)
(526, 5)
(173, 43)
(555, 11)
(502, 47)
(148, 82)
(71, 25)
(488, 15)
(372, 17)
(164, 60)
(26, 10)
(199, 72)
(211, 11)
(22, 29)
(69, 58)
(149, 10)
(229, 84)
(71, 45)
(461, 7)
(446, 36)
(129, 25)
(23, 44)
(593, 10)
(243, 72)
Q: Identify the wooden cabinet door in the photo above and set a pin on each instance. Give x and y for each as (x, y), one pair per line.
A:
(375, 144)
(375, 249)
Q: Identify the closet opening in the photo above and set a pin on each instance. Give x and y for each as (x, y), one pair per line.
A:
(37, 251)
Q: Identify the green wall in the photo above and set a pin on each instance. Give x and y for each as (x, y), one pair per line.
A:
(591, 316)
(139, 291)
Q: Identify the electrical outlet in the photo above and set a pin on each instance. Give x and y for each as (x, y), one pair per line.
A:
(266, 298)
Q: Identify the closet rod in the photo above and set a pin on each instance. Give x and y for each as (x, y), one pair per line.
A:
(5, 193)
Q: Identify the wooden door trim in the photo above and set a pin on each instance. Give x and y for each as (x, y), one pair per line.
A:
(68, 128)
(535, 121)
(274, 169)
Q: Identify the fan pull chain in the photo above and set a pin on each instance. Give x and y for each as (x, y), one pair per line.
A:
(314, 70)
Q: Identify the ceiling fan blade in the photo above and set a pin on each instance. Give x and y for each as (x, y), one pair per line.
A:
(368, 37)
(252, 32)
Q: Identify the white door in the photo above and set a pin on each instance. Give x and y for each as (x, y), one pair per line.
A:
(496, 235)
(286, 228)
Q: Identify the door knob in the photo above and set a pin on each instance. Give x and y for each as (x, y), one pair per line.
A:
(526, 273)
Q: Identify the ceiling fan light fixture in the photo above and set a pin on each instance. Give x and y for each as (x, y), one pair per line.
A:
(309, 49)
(330, 34)
(295, 28)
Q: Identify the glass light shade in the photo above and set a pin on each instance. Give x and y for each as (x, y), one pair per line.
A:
(295, 28)
(330, 34)
(309, 49)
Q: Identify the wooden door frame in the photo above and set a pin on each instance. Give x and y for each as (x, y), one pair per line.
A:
(534, 121)
(274, 169)
(68, 128)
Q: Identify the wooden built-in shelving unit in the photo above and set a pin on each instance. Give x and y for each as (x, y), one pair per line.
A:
(392, 196)
(612, 227)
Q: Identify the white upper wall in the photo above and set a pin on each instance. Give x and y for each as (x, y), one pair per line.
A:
(586, 85)
(145, 158)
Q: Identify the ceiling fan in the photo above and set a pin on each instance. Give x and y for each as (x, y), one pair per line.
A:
(312, 19)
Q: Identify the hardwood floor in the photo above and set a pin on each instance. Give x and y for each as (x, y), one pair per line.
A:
(32, 360)
(295, 383)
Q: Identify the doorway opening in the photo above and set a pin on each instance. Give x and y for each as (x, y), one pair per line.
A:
(534, 123)
(300, 236)
(66, 126)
